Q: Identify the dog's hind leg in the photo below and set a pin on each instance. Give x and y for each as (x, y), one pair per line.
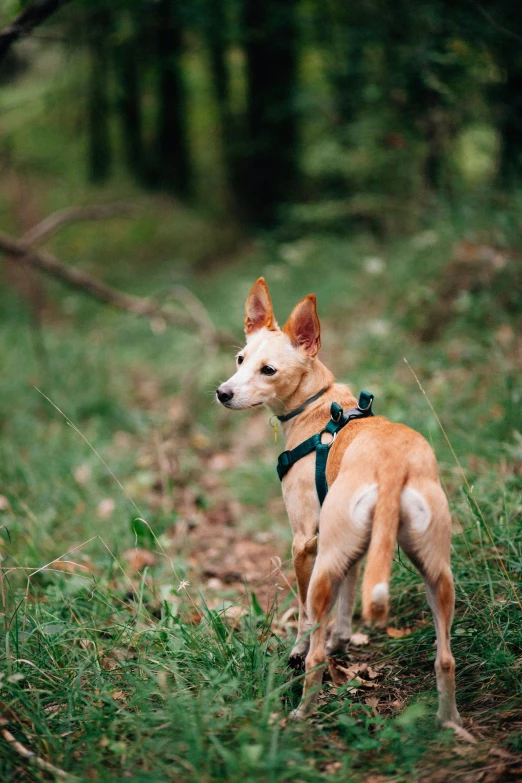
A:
(441, 598)
(342, 627)
(322, 593)
(424, 534)
(341, 545)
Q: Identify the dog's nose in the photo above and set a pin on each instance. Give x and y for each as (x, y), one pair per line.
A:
(224, 394)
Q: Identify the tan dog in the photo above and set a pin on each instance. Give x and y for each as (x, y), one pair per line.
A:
(383, 486)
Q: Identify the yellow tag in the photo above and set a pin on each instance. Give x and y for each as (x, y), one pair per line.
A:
(276, 427)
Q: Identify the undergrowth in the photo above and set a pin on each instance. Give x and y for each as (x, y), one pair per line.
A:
(114, 669)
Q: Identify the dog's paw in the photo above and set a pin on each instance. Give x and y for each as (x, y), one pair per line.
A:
(298, 714)
(296, 661)
(336, 645)
(450, 718)
(300, 648)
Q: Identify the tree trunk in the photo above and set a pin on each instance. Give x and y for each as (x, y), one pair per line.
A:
(129, 99)
(172, 147)
(98, 104)
(510, 95)
(269, 155)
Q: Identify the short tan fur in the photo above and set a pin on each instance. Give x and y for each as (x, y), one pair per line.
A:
(383, 487)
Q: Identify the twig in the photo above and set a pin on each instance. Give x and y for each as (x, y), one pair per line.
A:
(29, 754)
(58, 219)
(31, 16)
(86, 283)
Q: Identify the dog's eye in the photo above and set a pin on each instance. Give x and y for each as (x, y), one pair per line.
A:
(240, 359)
(267, 370)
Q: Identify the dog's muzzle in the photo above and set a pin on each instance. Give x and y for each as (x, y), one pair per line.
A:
(224, 394)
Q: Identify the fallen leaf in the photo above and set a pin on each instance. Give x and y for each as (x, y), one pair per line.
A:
(359, 639)
(220, 461)
(82, 474)
(139, 558)
(343, 674)
(4, 503)
(105, 508)
(200, 441)
(397, 633)
(332, 766)
(234, 613)
(70, 567)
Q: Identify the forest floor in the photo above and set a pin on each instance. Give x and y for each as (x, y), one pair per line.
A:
(147, 586)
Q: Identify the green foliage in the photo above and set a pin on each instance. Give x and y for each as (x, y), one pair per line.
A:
(115, 673)
(351, 113)
(119, 678)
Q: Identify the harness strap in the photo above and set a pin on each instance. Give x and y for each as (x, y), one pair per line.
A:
(338, 420)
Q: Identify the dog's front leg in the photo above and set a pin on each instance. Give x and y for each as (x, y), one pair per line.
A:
(303, 509)
(304, 549)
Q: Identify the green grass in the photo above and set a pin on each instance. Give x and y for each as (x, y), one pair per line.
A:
(109, 673)
(113, 675)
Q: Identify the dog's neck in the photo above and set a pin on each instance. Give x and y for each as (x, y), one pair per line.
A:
(312, 381)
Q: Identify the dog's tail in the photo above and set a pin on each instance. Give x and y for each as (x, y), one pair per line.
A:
(375, 588)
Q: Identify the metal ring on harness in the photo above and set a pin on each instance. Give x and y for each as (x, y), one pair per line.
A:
(334, 435)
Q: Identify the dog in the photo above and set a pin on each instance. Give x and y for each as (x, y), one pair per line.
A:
(383, 487)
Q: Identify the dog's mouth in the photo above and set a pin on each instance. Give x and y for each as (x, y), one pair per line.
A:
(230, 405)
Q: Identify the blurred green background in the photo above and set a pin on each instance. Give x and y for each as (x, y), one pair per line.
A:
(369, 152)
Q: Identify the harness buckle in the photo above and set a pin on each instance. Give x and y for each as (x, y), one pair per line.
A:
(329, 443)
(365, 402)
(336, 412)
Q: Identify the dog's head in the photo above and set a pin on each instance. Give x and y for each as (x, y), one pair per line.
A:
(273, 361)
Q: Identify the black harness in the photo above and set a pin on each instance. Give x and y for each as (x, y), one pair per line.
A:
(338, 420)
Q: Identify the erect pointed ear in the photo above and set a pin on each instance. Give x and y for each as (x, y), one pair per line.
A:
(259, 311)
(303, 327)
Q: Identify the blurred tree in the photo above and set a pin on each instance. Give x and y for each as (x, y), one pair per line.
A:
(269, 154)
(100, 24)
(32, 15)
(503, 27)
(128, 59)
(395, 86)
(174, 170)
(219, 33)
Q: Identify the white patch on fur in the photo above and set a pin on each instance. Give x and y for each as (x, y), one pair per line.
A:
(414, 509)
(363, 506)
(380, 594)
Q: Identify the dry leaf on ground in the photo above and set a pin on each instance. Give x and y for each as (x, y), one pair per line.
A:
(359, 639)
(356, 672)
(105, 508)
(4, 503)
(397, 633)
(70, 567)
(139, 558)
(82, 473)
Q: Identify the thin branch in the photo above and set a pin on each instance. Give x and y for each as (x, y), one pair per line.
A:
(31, 16)
(82, 281)
(86, 283)
(31, 756)
(61, 218)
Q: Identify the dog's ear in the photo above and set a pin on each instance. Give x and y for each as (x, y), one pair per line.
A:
(303, 327)
(259, 311)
